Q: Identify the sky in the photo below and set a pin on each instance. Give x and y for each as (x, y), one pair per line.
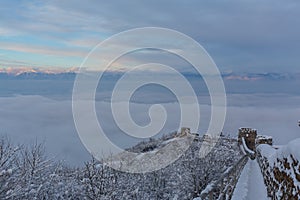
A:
(254, 43)
(240, 35)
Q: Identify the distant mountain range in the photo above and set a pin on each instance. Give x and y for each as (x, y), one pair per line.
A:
(40, 74)
(260, 76)
(36, 73)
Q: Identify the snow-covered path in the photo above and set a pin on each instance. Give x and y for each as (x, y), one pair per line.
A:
(250, 185)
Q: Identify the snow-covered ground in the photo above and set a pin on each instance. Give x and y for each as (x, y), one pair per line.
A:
(251, 184)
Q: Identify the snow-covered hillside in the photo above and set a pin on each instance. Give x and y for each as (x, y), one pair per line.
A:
(27, 174)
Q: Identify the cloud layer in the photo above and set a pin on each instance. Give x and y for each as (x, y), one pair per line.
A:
(25, 119)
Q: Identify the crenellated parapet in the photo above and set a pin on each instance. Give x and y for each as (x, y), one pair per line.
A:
(281, 169)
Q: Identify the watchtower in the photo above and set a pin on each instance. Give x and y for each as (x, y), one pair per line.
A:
(250, 135)
(185, 131)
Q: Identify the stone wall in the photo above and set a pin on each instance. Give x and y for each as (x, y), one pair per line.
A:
(223, 187)
(281, 171)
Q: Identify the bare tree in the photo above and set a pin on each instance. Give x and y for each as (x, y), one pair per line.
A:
(8, 180)
(99, 180)
(34, 169)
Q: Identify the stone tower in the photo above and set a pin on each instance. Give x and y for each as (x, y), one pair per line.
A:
(250, 136)
(185, 131)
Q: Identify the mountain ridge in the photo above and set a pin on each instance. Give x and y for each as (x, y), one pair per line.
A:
(69, 73)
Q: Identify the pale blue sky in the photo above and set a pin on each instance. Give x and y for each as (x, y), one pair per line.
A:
(240, 35)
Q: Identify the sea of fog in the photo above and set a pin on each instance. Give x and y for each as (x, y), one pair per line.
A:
(41, 110)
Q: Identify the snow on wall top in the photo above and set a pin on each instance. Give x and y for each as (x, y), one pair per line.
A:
(292, 148)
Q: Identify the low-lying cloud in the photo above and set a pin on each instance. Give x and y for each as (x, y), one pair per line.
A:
(25, 119)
